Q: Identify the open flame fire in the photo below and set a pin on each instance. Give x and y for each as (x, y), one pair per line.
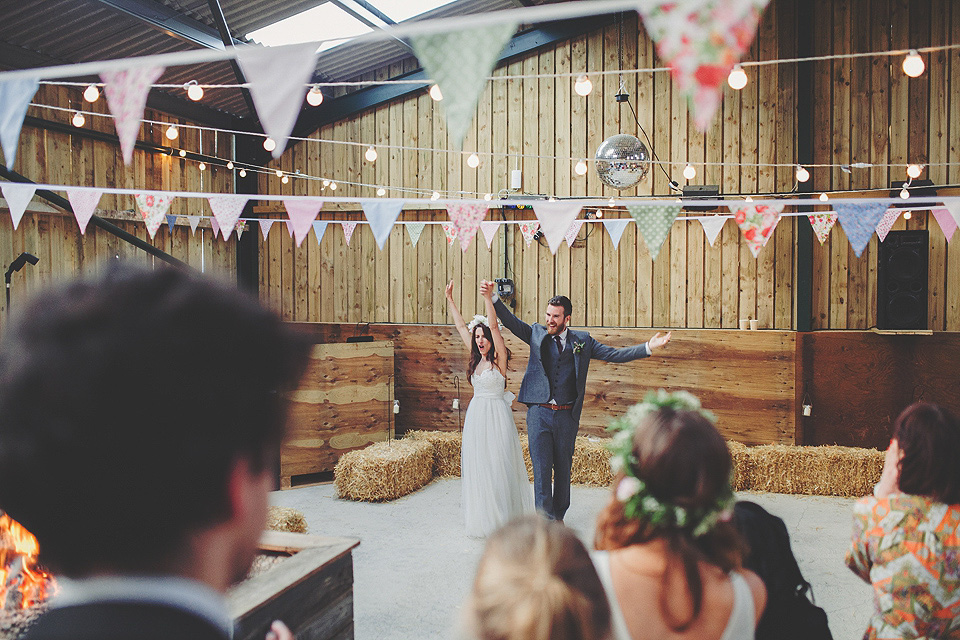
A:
(23, 583)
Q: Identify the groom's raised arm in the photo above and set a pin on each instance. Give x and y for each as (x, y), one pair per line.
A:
(601, 351)
(517, 327)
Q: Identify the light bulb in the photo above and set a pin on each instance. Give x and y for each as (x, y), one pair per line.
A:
(612, 202)
(333, 186)
(243, 173)
(269, 144)
(489, 196)
(802, 174)
(435, 195)
(473, 161)
(314, 96)
(202, 166)
(737, 78)
(91, 93)
(906, 215)
(824, 197)
(748, 199)
(581, 168)
(172, 133)
(381, 191)
(326, 183)
(194, 91)
(183, 153)
(689, 172)
(78, 119)
(583, 86)
(230, 165)
(279, 173)
(913, 64)
(435, 93)
(904, 193)
(600, 212)
(284, 179)
(914, 171)
(371, 154)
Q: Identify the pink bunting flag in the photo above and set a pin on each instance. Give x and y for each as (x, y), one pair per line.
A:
(450, 230)
(83, 202)
(265, 224)
(226, 210)
(215, 225)
(529, 230)
(701, 41)
(302, 213)
(18, 196)
(153, 208)
(573, 232)
(466, 218)
(194, 223)
(555, 218)
(886, 222)
(712, 226)
(757, 223)
(126, 92)
(348, 229)
(822, 223)
(489, 231)
(946, 221)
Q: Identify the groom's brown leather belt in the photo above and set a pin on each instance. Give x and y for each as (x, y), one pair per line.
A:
(557, 407)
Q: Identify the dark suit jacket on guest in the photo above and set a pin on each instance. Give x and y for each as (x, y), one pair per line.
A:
(122, 621)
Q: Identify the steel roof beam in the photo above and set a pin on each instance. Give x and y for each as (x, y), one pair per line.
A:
(228, 40)
(171, 22)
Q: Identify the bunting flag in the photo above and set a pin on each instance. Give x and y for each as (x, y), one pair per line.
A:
(302, 213)
(289, 224)
(757, 223)
(555, 219)
(265, 224)
(886, 222)
(414, 229)
(953, 206)
(126, 92)
(15, 97)
(319, 229)
(615, 229)
(241, 224)
(573, 232)
(18, 195)
(529, 230)
(822, 223)
(171, 221)
(227, 209)
(946, 221)
(83, 202)
(348, 229)
(381, 214)
(277, 77)
(859, 221)
(701, 41)
(489, 231)
(450, 230)
(712, 226)
(466, 218)
(654, 222)
(194, 223)
(215, 225)
(153, 208)
(460, 63)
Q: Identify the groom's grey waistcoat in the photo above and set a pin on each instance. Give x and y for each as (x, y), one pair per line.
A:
(561, 372)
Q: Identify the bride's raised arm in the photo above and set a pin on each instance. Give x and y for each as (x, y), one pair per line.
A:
(486, 290)
(457, 318)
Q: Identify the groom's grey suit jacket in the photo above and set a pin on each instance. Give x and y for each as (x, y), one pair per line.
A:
(535, 388)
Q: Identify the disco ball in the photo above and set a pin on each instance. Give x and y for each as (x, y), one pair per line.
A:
(622, 161)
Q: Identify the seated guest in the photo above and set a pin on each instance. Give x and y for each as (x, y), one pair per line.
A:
(669, 557)
(141, 416)
(906, 536)
(535, 581)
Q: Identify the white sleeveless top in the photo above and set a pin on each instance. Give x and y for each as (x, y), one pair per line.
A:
(740, 626)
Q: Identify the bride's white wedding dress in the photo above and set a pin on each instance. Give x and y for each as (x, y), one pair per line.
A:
(495, 485)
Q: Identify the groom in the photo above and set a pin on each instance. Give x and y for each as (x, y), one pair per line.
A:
(553, 390)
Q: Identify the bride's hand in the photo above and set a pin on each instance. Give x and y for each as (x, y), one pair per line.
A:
(449, 291)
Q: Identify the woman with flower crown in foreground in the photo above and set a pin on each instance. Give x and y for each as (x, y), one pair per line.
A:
(669, 557)
(494, 484)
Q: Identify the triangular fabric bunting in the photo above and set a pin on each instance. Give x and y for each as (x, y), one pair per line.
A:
(381, 214)
(757, 223)
(289, 224)
(654, 222)
(489, 231)
(555, 218)
(126, 92)
(83, 202)
(171, 221)
(615, 229)
(822, 223)
(15, 97)
(414, 229)
(859, 221)
(265, 224)
(153, 208)
(701, 41)
(227, 209)
(302, 213)
(278, 76)
(573, 232)
(215, 225)
(450, 230)
(886, 223)
(460, 62)
(319, 228)
(529, 230)
(18, 196)
(712, 226)
(947, 224)
(348, 229)
(466, 218)
(241, 224)
(953, 206)
(194, 223)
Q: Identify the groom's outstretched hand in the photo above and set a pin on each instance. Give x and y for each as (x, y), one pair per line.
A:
(658, 340)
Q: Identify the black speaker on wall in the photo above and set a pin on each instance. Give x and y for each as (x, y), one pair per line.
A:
(902, 280)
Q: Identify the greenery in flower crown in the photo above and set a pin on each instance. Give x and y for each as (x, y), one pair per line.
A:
(639, 501)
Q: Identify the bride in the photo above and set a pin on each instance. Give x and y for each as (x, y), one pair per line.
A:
(494, 481)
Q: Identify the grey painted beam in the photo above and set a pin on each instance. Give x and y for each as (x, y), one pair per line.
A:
(227, 39)
(171, 22)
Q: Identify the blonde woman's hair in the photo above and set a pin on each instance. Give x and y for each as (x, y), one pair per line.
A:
(536, 581)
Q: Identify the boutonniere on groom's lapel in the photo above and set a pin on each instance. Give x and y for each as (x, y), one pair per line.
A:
(577, 348)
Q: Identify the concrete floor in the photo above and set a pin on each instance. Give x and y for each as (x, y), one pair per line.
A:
(414, 565)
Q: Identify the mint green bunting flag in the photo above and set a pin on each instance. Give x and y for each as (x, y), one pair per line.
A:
(654, 222)
(460, 62)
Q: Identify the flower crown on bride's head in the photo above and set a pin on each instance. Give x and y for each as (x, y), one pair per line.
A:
(478, 319)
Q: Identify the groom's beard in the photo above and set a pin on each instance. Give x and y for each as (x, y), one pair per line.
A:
(556, 329)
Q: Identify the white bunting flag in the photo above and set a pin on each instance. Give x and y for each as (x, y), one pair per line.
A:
(712, 226)
(83, 202)
(265, 224)
(953, 206)
(226, 210)
(886, 223)
(348, 229)
(381, 214)
(278, 77)
(573, 232)
(126, 92)
(414, 229)
(289, 224)
(15, 97)
(194, 223)
(302, 213)
(319, 228)
(615, 228)
(555, 218)
(489, 230)
(18, 196)
(215, 225)
(153, 208)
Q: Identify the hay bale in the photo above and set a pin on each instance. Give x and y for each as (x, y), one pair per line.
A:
(822, 471)
(591, 463)
(446, 450)
(286, 519)
(741, 465)
(384, 471)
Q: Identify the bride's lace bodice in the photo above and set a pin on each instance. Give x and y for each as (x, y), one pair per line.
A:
(489, 383)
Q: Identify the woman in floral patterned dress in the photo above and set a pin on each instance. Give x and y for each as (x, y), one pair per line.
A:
(906, 539)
